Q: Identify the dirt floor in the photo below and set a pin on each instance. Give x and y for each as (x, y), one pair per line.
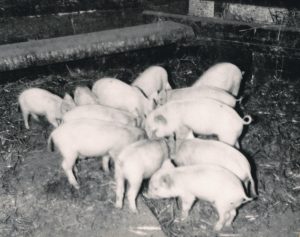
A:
(36, 199)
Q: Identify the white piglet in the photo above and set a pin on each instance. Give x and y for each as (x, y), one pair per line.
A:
(226, 76)
(195, 93)
(136, 162)
(115, 93)
(211, 183)
(84, 96)
(204, 116)
(91, 137)
(100, 112)
(36, 102)
(199, 151)
(153, 79)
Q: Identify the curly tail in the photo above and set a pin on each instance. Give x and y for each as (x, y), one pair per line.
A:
(251, 190)
(246, 199)
(247, 119)
(239, 100)
(50, 144)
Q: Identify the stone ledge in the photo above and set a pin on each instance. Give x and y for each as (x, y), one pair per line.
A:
(75, 47)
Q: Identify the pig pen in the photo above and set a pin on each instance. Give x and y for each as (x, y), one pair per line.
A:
(37, 200)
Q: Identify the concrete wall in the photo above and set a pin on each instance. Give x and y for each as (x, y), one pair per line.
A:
(246, 11)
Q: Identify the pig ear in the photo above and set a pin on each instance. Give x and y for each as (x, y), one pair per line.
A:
(68, 97)
(154, 99)
(166, 181)
(67, 104)
(160, 119)
(162, 97)
(153, 96)
(167, 164)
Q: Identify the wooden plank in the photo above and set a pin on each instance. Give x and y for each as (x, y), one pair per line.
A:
(70, 48)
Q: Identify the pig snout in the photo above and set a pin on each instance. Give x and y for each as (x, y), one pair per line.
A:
(150, 194)
(147, 195)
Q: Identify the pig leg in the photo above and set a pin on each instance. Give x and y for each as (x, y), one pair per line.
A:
(105, 163)
(120, 183)
(251, 182)
(34, 116)
(231, 218)
(134, 187)
(224, 215)
(52, 120)
(25, 114)
(67, 165)
(186, 204)
(237, 145)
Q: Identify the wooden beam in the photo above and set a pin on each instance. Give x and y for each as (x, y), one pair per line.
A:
(75, 47)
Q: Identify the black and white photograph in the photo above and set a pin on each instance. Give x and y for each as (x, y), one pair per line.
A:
(155, 118)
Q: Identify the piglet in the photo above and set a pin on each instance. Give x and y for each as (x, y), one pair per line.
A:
(101, 112)
(153, 79)
(211, 183)
(115, 93)
(136, 162)
(203, 116)
(91, 137)
(199, 151)
(195, 93)
(84, 96)
(36, 101)
(226, 76)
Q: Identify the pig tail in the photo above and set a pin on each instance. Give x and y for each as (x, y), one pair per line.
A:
(247, 119)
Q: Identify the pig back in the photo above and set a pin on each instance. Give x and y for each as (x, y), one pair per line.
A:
(100, 112)
(225, 76)
(209, 114)
(199, 151)
(115, 93)
(89, 133)
(196, 93)
(152, 80)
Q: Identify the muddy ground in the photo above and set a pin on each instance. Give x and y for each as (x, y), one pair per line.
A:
(36, 199)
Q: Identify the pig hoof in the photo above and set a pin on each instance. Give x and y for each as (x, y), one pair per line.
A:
(76, 186)
(229, 225)
(134, 211)
(218, 227)
(118, 205)
(177, 220)
(146, 195)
